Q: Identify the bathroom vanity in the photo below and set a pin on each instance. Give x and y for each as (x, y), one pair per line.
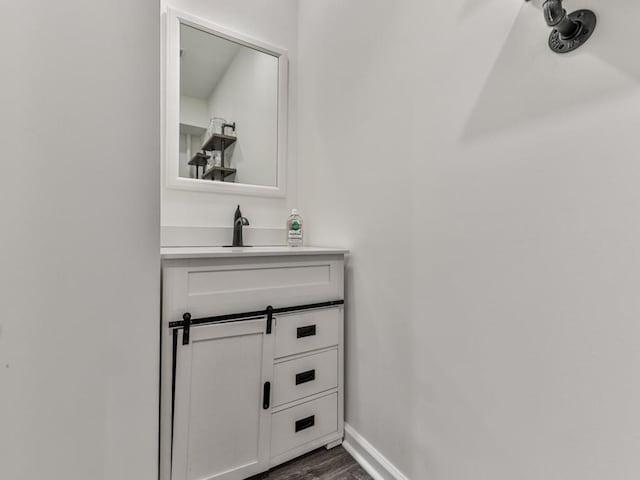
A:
(252, 358)
(252, 338)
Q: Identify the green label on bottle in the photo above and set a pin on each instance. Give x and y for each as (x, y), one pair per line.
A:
(295, 225)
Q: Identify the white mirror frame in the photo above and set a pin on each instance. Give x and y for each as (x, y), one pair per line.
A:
(172, 108)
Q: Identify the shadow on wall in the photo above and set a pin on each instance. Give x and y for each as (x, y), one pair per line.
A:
(529, 81)
(470, 7)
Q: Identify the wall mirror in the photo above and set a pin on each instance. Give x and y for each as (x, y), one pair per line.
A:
(226, 110)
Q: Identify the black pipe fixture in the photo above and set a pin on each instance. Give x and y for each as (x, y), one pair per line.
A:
(570, 31)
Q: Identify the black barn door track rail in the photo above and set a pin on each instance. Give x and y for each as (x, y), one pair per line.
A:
(187, 322)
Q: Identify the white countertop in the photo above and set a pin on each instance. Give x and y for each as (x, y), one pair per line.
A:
(170, 253)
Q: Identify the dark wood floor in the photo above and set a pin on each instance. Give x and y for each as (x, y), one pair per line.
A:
(322, 464)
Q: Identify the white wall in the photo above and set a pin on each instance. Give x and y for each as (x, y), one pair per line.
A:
(194, 111)
(247, 94)
(489, 191)
(79, 256)
(274, 22)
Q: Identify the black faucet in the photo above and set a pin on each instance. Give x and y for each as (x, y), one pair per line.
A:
(238, 222)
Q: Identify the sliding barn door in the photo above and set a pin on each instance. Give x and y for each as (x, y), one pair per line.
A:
(222, 417)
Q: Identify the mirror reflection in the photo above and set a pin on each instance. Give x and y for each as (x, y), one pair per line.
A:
(228, 110)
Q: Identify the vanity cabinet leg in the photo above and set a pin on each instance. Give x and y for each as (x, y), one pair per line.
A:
(335, 444)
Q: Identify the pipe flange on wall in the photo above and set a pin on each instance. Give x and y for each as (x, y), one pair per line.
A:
(586, 24)
(570, 31)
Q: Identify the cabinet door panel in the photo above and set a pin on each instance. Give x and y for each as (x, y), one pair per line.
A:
(221, 431)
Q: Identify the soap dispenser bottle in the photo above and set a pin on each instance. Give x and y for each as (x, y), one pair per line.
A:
(294, 229)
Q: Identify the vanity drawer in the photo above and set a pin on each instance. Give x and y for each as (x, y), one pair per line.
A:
(305, 376)
(302, 332)
(304, 423)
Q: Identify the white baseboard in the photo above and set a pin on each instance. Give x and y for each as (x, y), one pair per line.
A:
(371, 460)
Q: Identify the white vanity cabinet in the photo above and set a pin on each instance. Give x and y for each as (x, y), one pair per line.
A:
(254, 377)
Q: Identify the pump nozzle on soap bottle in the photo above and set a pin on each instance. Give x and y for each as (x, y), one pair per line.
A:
(294, 229)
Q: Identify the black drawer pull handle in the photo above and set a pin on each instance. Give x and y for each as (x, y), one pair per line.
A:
(308, 331)
(266, 394)
(305, 423)
(305, 377)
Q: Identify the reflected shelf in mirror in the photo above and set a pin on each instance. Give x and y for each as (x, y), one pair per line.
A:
(220, 172)
(199, 160)
(217, 141)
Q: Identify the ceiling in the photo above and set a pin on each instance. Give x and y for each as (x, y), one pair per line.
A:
(205, 58)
